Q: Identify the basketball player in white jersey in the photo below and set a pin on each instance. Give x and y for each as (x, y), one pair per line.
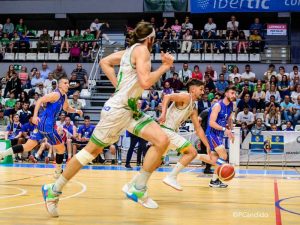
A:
(182, 107)
(120, 113)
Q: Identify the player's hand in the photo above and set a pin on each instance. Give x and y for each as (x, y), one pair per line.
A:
(162, 118)
(35, 120)
(80, 113)
(229, 134)
(167, 59)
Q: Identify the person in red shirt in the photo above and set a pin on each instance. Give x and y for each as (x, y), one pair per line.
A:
(196, 74)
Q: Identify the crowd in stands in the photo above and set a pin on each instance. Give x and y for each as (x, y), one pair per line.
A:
(183, 37)
(80, 45)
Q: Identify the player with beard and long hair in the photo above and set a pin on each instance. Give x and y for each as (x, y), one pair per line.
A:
(219, 123)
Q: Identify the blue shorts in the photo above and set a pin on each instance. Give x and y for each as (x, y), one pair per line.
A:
(52, 137)
(214, 140)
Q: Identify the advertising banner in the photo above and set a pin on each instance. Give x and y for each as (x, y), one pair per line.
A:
(165, 5)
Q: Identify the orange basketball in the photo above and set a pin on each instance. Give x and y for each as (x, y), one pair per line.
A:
(226, 172)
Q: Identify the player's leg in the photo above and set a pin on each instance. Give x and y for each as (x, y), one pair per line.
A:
(150, 131)
(220, 157)
(69, 148)
(28, 146)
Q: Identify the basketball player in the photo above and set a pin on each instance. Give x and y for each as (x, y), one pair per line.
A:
(44, 124)
(219, 123)
(119, 113)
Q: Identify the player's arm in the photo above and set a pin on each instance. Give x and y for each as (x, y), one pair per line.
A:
(141, 57)
(212, 121)
(199, 130)
(52, 97)
(69, 109)
(107, 65)
(175, 97)
(230, 122)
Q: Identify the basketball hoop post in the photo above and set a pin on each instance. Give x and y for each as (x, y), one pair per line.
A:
(234, 148)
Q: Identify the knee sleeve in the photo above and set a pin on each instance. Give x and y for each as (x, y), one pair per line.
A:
(18, 149)
(84, 157)
(220, 161)
(59, 158)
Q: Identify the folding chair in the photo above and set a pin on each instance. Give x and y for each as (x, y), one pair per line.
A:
(277, 148)
(256, 147)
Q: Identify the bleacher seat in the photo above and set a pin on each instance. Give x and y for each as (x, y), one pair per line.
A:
(85, 93)
(38, 33)
(20, 56)
(207, 57)
(183, 57)
(157, 56)
(230, 57)
(83, 102)
(243, 57)
(195, 57)
(218, 57)
(51, 33)
(256, 146)
(31, 56)
(152, 56)
(9, 56)
(145, 94)
(52, 56)
(254, 57)
(64, 56)
(33, 44)
(41, 56)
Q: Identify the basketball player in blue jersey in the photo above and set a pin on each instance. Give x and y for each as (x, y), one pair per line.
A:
(44, 124)
(219, 123)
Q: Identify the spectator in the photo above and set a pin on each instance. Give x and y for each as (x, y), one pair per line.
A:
(33, 102)
(231, 41)
(294, 73)
(187, 42)
(82, 75)
(85, 55)
(272, 103)
(176, 27)
(167, 89)
(48, 81)
(221, 43)
(225, 72)
(271, 71)
(255, 42)
(273, 117)
(37, 79)
(75, 104)
(45, 71)
(71, 135)
(153, 98)
(197, 43)
(84, 134)
(174, 44)
(208, 82)
(286, 108)
(13, 86)
(256, 26)
(187, 25)
(153, 23)
(52, 87)
(24, 113)
(14, 111)
(44, 41)
(246, 101)
(235, 73)
(233, 25)
(209, 26)
(8, 28)
(281, 73)
(24, 97)
(24, 44)
(41, 90)
(165, 42)
(196, 74)
(245, 116)
(77, 37)
(273, 91)
(248, 74)
(13, 131)
(174, 83)
(295, 81)
(23, 75)
(170, 73)
(211, 73)
(62, 120)
(27, 128)
(244, 131)
(9, 105)
(75, 53)
(209, 44)
(185, 73)
(59, 72)
(245, 88)
(21, 28)
(284, 86)
(243, 43)
(15, 40)
(165, 27)
(74, 84)
(5, 42)
(98, 30)
(289, 126)
(260, 82)
(203, 103)
(296, 112)
(259, 97)
(258, 127)
(56, 43)
(295, 93)
(274, 127)
(66, 41)
(221, 85)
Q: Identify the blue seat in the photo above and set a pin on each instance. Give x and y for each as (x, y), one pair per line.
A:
(256, 146)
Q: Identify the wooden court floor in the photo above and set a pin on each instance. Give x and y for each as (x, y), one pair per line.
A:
(95, 197)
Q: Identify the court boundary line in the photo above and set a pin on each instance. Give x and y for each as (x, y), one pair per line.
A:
(84, 188)
(277, 209)
(23, 192)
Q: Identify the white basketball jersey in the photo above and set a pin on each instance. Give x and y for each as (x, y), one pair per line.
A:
(128, 87)
(175, 116)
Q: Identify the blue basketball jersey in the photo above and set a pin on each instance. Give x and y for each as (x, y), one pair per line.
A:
(51, 113)
(222, 117)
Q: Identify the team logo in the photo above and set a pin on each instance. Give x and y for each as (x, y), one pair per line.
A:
(257, 139)
(106, 108)
(267, 145)
(35, 131)
(203, 3)
(277, 139)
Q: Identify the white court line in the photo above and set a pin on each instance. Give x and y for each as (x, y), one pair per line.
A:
(23, 192)
(189, 170)
(40, 203)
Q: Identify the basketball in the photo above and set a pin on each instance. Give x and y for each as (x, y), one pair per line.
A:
(226, 172)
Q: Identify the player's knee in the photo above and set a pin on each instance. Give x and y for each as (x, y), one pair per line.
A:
(163, 142)
(194, 152)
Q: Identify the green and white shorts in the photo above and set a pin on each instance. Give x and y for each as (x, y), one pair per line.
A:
(114, 121)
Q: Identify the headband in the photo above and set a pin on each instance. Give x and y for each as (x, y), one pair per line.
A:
(149, 36)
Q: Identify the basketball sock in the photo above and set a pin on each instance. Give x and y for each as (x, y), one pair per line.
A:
(176, 170)
(7, 152)
(58, 167)
(49, 154)
(59, 184)
(142, 179)
(36, 155)
(215, 177)
(18, 149)
(133, 180)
